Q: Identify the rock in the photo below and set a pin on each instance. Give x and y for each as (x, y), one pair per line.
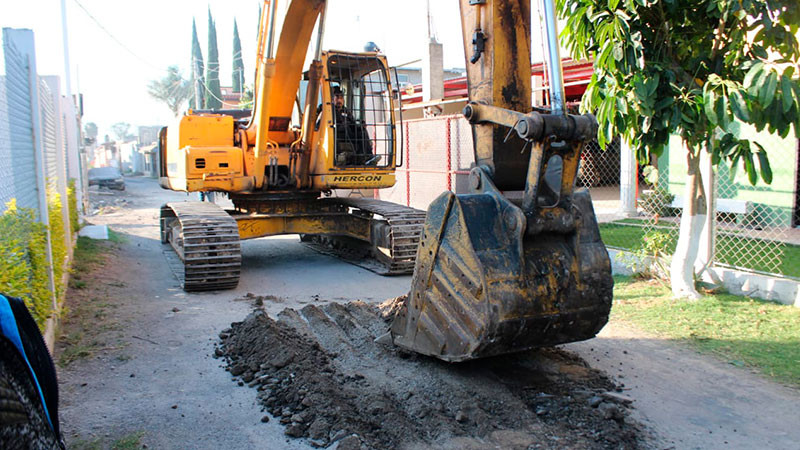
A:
(282, 360)
(248, 377)
(595, 401)
(352, 442)
(318, 443)
(294, 430)
(617, 398)
(307, 401)
(461, 417)
(265, 419)
(339, 435)
(174, 406)
(319, 429)
(237, 370)
(611, 412)
(224, 335)
(218, 352)
(297, 418)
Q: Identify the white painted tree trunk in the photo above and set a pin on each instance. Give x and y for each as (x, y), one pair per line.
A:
(692, 220)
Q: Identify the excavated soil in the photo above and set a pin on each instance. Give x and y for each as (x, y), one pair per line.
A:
(319, 371)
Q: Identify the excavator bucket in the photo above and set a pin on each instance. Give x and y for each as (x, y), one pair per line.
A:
(490, 279)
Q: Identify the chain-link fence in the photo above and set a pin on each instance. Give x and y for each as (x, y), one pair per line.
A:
(754, 227)
(439, 155)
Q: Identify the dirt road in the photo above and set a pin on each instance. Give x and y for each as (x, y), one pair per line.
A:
(153, 371)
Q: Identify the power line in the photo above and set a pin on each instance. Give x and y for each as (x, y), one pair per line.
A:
(114, 38)
(135, 55)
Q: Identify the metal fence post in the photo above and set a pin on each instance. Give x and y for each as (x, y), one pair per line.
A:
(408, 167)
(628, 178)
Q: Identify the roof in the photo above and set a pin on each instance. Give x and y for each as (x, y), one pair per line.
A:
(576, 76)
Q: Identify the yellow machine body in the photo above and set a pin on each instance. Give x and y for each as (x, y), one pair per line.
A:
(492, 274)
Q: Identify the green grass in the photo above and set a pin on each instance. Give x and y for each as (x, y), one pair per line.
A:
(130, 441)
(742, 331)
(116, 237)
(86, 313)
(743, 252)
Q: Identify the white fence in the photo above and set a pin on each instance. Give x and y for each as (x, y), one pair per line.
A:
(40, 152)
(39, 129)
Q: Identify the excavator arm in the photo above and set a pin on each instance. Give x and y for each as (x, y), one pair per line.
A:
(498, 273)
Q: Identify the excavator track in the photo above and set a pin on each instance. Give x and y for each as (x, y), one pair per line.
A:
(206, 239)
(397, 230)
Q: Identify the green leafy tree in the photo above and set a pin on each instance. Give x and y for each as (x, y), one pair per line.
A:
(173, 90)
(690, 68)
(198, 80)
(90, 131)
(238, 63)
(213, 91)
(121, 130)
(246, 101)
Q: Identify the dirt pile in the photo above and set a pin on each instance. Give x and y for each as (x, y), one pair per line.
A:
(319, 372)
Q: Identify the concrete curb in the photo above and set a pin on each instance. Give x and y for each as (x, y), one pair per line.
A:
(772, 288)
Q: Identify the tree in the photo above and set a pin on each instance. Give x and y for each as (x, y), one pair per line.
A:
(238, 63)
(198, 81)
(120, 130)
(90, 131)
(246, 101)
(173, 90)
(690, 68)
(213, 92)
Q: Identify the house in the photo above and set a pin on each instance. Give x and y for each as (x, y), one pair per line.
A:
(230, 99)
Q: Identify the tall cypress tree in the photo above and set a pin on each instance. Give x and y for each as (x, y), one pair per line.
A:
(198, 80)
(213, 92)
(238, 64)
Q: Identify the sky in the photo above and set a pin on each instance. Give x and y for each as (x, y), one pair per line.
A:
(116, 48)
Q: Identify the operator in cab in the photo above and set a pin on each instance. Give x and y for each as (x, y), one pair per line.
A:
(353, 144)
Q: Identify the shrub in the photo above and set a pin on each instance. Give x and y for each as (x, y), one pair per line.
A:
(72, 203)
(657, 202)
(58, 242)
(24, 271)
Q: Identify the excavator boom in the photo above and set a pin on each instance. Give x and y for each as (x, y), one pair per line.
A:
(494, 273)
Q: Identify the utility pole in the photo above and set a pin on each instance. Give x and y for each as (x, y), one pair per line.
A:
(67, 77)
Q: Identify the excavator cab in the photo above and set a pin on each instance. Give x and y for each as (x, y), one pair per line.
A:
(361, 109)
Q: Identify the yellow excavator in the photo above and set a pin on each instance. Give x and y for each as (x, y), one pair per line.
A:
(514, 264)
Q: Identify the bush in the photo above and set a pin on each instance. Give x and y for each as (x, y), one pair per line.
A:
(58, 240)
(72, 202)
(24, 271)
(657, 202)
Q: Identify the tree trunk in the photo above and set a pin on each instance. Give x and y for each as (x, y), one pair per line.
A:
(692, 220)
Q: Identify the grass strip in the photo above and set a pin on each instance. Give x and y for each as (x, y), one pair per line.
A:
(740, 330)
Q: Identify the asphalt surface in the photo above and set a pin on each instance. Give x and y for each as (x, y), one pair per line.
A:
(163, 381)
